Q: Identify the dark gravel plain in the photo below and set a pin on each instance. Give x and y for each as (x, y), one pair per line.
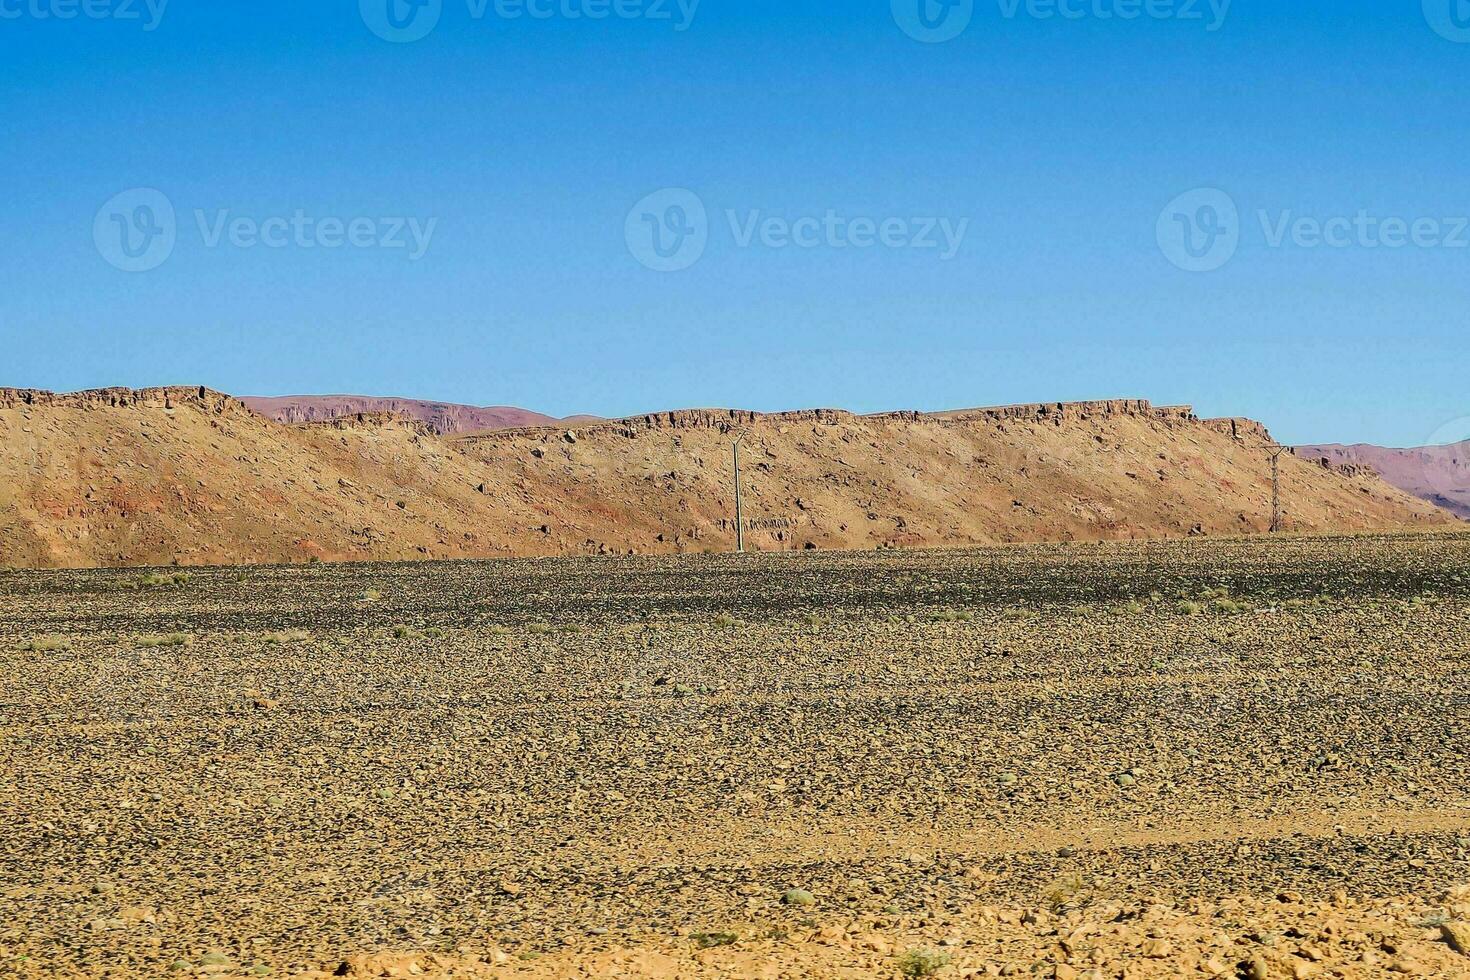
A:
(265, 770)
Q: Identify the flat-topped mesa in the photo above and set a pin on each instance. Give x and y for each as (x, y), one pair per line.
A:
(1064, 411)
(371, 420)
(721, 419)
(172, 397)
(732, 420)
(718, 419)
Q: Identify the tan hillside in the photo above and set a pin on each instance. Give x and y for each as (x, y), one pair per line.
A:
(121, 477)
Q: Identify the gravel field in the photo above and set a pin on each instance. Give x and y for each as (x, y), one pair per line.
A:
(742, 766)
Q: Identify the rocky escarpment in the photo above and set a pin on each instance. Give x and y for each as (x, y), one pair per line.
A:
(1073, 411)
(102, 398)
(189, 475)
(367, 421)
(695, 419)
(734, 420)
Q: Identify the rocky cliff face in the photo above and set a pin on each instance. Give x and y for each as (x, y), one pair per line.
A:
(189, 475)
(105, 398)
(1080, 411)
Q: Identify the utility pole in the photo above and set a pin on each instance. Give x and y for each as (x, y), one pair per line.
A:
(739, 516)
(1276, 454)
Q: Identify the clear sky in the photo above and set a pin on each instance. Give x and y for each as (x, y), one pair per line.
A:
(828, 145)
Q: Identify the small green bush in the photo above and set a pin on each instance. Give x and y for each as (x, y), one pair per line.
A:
(157, 580)
(166, 640)
(46, 644)
(922, 962)
(709, 940)
(1063, 891)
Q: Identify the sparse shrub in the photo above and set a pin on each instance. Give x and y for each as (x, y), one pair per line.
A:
(1063, 891)
(538, 629)
(372, 595)
(157, 580)
(1229, 606)
(287, 636)
(402, 632)
(709, 940)
(1188, 607)
(922, 962)
(1083, 611)
(165, 640)
(724, 621)
(46, 644)
(1018, 613)
(951, 616)
(1132, 608)
(812, 619)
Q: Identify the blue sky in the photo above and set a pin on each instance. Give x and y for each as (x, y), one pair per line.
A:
(527, 149)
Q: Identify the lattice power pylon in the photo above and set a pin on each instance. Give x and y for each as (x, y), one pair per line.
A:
(1276, 453)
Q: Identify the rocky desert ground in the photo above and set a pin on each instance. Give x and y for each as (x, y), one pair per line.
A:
(1210, 757)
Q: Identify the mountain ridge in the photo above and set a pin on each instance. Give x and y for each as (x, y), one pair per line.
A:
(445, 418)
(1438, 474)
(187, 475)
